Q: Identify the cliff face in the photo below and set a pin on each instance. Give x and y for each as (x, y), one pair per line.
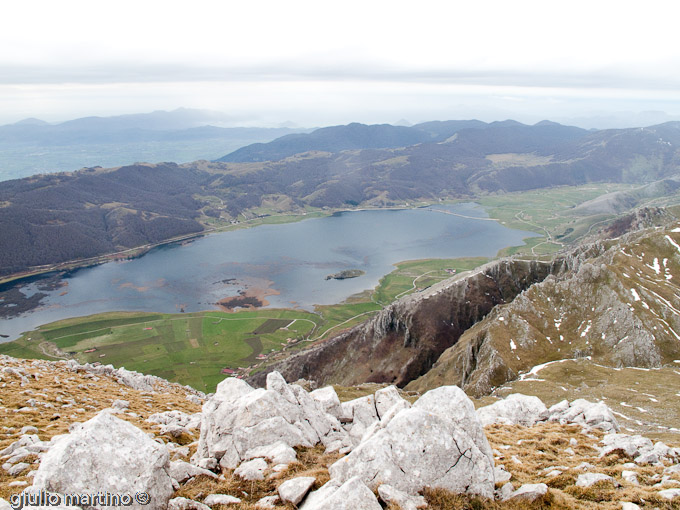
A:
(620, 307)
(404, 340)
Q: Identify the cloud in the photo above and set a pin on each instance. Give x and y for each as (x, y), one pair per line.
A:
(336, 72)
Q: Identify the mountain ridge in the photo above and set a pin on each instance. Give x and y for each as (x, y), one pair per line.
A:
(505, 157)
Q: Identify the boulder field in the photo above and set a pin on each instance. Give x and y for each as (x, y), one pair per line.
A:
(388, 450)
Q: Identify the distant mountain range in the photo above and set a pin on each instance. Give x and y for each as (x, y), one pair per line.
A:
(350, 137)
(33, 146)
(55, 218)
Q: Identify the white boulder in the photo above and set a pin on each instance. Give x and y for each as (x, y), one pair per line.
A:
(277, 453)
(351, 495)
(252, 469)
(418, 448)
(186, 504)
(239, 418)
(583, 412)
(515, 409)
(386, 398)
(107, 454)
(404, 501)
(182, 471)
(588, 479)
(451, 403)
(220, 499)
(328, 399)
(528, 492)
(670, 493)
(292, 491)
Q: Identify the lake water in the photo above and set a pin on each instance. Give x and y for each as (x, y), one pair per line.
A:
(292, 259)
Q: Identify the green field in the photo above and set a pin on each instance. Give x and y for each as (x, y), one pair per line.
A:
(549, 213)
(189, 348)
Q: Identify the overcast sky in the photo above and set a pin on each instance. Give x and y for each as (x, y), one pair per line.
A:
(321, 62)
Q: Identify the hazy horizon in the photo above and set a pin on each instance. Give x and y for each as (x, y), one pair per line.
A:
(318, 64)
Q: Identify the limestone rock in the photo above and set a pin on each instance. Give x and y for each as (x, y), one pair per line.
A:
(186, 504)
(418, 448)
(220, 499)
(23, 441)
(451, 403)
(640, 448)
(588, 479)
(292, 491)
(107, 454)
(670, 493)
(252, 469)
(385, 399)
(361, 412)
(328, 400)
(177, 418)
(277, 453)
(529, 492)
(515, 409)
(182, 471)
(583, 412)
(500, 474)
(267, 503)
(351, 495)
(239, 418)
(17, 469)
(405, 502)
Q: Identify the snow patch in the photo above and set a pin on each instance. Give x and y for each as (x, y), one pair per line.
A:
(655, 266)
(540, 367)
(512, 345)
(670, 240)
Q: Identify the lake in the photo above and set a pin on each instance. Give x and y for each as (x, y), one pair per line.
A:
(285, 265)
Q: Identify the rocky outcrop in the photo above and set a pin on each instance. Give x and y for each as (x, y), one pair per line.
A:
(404, 340)
(585, 413)
(515, 409)
(292, 491)
(641, 449)
(238, 420)
(129, 378)
(419, 448)
(616, 303)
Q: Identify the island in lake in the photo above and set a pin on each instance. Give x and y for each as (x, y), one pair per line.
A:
(347, 273)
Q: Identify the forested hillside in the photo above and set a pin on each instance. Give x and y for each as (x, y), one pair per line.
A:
(54, 218)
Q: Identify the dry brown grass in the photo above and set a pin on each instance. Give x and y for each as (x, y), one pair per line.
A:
(543, 446)
(311, 462)
(52, 386)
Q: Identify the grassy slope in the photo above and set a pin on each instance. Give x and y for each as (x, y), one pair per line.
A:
(645, 401)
